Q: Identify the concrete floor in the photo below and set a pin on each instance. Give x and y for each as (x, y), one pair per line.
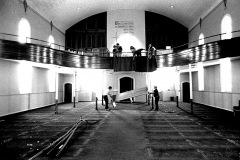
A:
(127, 132)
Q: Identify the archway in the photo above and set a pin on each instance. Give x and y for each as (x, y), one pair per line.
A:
(186, 92)
(126, 84)
(68, 93)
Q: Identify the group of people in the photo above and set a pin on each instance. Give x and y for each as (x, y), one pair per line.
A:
(151, 51)
(108, 95)
(117, 50)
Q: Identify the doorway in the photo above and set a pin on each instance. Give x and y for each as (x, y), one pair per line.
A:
(186, 92)
(68, 93)
(126, 84)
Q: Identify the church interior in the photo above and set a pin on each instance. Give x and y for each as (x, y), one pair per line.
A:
(57, 59)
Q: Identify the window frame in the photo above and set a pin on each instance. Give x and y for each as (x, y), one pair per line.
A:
(24, 31)
(226, 27)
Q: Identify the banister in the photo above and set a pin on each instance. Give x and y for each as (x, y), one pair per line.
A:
(216, 35)
(77, 50)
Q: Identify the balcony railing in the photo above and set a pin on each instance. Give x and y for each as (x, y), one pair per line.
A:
(43, 52)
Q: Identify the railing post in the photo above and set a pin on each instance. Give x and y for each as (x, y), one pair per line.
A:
(56, 106)
(148, 99)
(191, 104)
(177, 101)
(152, 102)
(74, 103)
(96, 103)
(102, 99)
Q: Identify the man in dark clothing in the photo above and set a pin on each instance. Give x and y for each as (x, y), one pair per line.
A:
(115, 51)
(156, 96)
(136, 53)
(151, 51)
(119, 49)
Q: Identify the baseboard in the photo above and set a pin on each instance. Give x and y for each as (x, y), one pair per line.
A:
(215, 107)
(20, 112)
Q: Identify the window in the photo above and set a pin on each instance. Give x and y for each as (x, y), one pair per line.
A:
(51, 41)
(24, 31)
(226, 27)
(201, 39)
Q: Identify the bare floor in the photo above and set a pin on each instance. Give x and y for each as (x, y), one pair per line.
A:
(127, 132)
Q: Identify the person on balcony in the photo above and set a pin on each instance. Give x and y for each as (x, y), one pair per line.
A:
(151, 51)
(119, 50)
(115, 51)
(136, 53)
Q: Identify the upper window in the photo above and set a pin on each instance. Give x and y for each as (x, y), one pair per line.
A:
(51, 41)
(201, 39)
(24, 31)
(226, 27)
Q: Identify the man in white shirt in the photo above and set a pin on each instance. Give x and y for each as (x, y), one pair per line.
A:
(107, 96)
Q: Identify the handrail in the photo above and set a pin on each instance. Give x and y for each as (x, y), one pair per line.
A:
(49, 44)
(76, 51)
(216, 35)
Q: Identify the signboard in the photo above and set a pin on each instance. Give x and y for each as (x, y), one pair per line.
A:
(125, 26)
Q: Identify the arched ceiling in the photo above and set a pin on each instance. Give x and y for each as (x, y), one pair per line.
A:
(65, 13)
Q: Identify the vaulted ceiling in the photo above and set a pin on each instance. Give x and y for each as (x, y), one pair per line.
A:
(65, 13)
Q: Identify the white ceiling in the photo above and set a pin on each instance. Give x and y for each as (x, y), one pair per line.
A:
(65, 13)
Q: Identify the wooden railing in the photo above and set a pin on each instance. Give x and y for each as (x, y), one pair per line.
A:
(43, 53)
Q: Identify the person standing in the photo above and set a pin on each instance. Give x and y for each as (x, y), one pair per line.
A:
(107, 96)
(115, 51)
(119, 50)
(151, 51)
(156, 96)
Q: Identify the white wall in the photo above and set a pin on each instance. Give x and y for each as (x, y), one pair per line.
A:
(22, 91)
(212, 94)
(136, 39)
(211, 24)
(90, 84)
(11, 12)
(139, 80)
(12, 100)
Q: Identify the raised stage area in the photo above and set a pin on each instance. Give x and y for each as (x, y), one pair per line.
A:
(129, 131)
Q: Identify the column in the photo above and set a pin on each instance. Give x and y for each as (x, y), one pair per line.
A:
(56, 90)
